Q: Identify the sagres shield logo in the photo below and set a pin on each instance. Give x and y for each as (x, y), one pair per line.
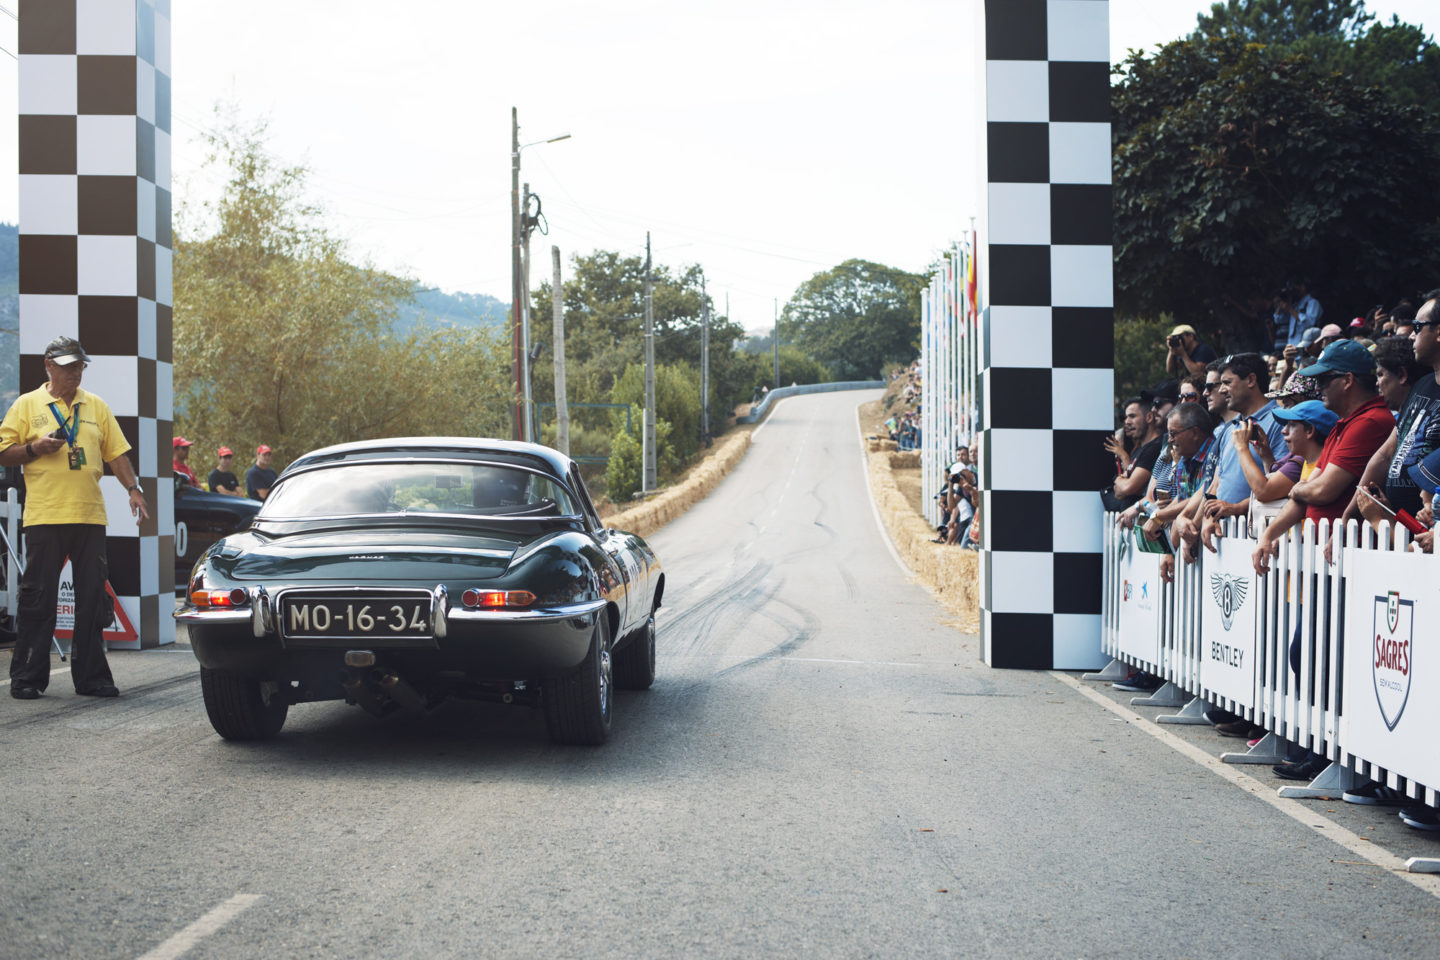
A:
(1393, 654)
(1229, 592)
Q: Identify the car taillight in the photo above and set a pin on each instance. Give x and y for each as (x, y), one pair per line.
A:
(219, 598)
(497, 599)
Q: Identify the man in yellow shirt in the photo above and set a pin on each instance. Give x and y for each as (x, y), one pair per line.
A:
(63, 436)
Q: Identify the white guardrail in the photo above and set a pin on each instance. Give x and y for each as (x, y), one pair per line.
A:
(1356, 689)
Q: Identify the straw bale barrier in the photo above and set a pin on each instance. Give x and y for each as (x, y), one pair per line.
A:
(645, 518)
(952, 573)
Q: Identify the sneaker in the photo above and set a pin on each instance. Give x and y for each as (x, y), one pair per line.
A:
(1305, 770)
(1215, 716)
(1375, 794)
(100, 690)
(1254, 742)
(1420, 817)
(22, 691)
(1139, 682)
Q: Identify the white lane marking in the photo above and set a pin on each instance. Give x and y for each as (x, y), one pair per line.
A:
(203, 927)
(874, 510)
(1294, 809)
(862, 663)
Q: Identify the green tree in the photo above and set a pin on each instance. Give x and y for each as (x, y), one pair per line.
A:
(855, 318)
(1237, 169)
(677, 402)
(279, 338)
(1338, 36)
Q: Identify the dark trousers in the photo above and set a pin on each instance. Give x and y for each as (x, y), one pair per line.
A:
(46, 547)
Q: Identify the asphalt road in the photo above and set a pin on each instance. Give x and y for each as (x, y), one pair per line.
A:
(823, 768)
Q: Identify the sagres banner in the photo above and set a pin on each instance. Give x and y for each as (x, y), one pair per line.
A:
(1228, 602)
(1392, 661)
(1139, 604)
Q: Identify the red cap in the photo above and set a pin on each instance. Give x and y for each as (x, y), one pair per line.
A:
(180, 442)
(1357, 322)
(224, 452)
(261, 449)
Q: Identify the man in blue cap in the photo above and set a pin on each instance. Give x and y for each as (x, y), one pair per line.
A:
(1346, 372)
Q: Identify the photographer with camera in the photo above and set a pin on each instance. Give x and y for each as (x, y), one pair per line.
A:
(1186, 356)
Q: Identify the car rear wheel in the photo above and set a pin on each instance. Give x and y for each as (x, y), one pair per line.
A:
(635, 662)
(578, 705)
(239, 709)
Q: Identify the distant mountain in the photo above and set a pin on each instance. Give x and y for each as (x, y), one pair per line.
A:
(9, 313)
(442, 309)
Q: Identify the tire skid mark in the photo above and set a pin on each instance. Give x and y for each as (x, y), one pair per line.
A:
(80, 707)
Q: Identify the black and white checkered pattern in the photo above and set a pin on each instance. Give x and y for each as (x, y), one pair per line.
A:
(1047, 379)
(95, 250)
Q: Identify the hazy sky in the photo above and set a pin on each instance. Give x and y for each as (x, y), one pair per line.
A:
(764, 140)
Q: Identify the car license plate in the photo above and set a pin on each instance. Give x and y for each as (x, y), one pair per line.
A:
(359, 617)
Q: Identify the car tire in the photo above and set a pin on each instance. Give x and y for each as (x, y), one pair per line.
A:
(579, 705)
(635, 662)
(238, 708)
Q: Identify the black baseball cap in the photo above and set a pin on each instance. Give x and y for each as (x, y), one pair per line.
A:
(65, 351)
(1166, 391)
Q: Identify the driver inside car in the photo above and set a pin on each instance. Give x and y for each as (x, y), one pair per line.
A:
(498, 487)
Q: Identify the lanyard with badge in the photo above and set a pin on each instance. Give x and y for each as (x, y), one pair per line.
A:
(69, 431)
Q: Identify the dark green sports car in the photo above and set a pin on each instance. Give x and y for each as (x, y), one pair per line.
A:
(394, 574)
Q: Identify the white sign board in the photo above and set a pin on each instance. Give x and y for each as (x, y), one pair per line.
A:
(1229, 598)
(1392, 662)
(1139, 636)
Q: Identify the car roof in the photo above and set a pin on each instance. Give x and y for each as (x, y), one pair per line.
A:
(532, 455)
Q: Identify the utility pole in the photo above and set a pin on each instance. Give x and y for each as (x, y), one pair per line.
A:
(704, 363)
(562, 410)
(526, 226)
(516, 413)
(647, 482)
(777, 344)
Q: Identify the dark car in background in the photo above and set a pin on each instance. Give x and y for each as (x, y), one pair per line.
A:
(201, 519)
(394, 574)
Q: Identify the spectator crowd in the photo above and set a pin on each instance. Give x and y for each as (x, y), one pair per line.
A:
(258, 479)
(1339, 422)
(959, 496)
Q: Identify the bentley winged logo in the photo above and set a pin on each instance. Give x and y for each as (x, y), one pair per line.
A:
(1229, 591)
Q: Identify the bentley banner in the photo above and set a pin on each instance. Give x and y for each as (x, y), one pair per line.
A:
(1228, 599)
(1139, 636)
(1392, 662)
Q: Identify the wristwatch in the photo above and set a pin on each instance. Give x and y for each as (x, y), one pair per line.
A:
(136, 488)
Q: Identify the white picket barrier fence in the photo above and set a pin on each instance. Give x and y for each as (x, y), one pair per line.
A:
(1198, 634)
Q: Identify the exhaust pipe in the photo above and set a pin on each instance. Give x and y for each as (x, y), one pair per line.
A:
(358, 691)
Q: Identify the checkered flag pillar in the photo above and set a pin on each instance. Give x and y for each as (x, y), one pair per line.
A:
(95, 252)
(1046, 374)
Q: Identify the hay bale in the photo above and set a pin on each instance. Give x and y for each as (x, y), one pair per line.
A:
(905, 460)
(645, 518)
(951, 572)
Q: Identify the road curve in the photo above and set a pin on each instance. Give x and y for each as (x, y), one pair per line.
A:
(824, 767)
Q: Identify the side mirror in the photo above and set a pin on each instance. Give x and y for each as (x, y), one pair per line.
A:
(180, 484)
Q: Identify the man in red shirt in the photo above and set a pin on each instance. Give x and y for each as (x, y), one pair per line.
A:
(1346, 373)
(181, 454)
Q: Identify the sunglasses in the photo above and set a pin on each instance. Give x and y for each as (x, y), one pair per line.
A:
(1177, 434)
(1210, 388)
(1418, 325)
(1189, 398)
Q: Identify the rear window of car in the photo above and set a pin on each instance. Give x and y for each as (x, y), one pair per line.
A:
(348, 489)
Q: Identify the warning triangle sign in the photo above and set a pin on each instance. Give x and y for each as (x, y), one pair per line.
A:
(120, 631)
